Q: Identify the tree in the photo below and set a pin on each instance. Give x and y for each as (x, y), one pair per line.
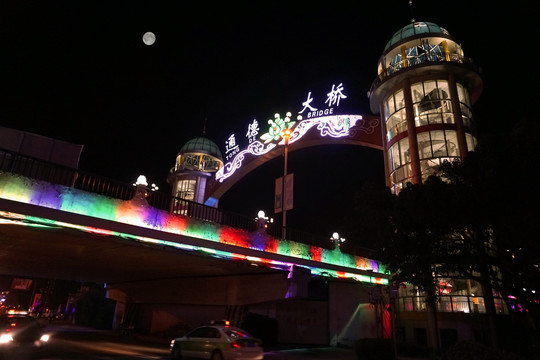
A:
(499, 178)
(474, 219)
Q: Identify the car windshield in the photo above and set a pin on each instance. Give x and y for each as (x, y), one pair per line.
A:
(11, 322)
(16, 320)
(236, 334)
(204, 332)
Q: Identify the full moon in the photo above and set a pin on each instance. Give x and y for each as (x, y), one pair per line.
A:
(149, 38)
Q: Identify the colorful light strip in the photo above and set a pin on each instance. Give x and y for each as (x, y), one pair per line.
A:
(14, 187)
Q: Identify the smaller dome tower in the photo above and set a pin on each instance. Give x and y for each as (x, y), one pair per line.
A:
(197, 160)
(424, 91)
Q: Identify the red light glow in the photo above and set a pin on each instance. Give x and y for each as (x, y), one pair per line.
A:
(235, 237)
(316, 253)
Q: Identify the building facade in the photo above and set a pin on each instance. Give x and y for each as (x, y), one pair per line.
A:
(424, 92)
(198, 160)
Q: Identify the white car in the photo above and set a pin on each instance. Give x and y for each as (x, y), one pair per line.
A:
(217, 342)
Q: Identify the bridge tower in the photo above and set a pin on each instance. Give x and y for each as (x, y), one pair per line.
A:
(423, 94)
(197, 161)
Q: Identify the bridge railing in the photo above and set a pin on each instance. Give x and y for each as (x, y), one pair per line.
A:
(180, 206)
(57, 174)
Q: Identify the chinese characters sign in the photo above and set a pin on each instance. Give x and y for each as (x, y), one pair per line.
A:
(332, 99)
(315, 112)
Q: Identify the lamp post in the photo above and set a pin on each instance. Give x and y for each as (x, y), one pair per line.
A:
(337, 240)
(286, 134)
(141, 189)
(283, 128)
(262, 220)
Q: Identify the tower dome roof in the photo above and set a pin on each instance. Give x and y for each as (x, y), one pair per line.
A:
(414, 29)
(201, 145)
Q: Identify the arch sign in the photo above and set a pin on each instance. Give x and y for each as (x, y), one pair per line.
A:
(318, 123)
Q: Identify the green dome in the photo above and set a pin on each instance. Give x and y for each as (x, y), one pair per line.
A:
(415, 29)
(202, 145)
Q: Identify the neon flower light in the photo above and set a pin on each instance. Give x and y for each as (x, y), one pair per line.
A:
(277, 127)
(335, 126)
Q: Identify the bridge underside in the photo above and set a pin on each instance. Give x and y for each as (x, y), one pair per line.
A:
(146, 265)
(69, 254)
(168, 284)
(145, 273)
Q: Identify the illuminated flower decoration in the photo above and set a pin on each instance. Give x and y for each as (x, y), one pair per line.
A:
(276, 127)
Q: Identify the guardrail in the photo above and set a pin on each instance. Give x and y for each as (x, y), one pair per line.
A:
(417, 61)
(57, 174)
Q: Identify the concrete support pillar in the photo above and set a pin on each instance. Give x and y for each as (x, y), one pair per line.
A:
(121, 303)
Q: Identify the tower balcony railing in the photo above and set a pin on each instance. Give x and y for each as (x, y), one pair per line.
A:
(29, 167)
(419, 60)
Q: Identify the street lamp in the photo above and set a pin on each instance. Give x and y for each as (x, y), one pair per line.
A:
(263, 220)
(286, 134)
(337, 240)
(283, 128)
(141, 187)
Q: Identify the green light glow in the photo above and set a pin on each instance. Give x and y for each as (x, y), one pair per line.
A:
(37, 222)
(13, 187)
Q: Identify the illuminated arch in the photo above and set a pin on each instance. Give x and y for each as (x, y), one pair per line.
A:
(336, 129)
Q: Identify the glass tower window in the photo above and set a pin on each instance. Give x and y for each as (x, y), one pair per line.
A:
(465, 106)
(471, 142)
(432, 103)
(198, 162)
(399, 163)
(186, 189)
(394, 110)
(434, 147)
(416, 55)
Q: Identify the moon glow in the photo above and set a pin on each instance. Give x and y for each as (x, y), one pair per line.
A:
(149, 38)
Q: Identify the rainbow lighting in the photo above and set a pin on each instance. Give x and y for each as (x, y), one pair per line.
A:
(137, 212)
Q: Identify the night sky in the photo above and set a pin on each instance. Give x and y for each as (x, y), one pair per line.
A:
(79, 71)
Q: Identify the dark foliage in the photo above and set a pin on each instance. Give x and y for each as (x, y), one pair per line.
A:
(474, 351)
(476, 216)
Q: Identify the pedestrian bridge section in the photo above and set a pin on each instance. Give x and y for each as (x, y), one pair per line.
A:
(47, 208)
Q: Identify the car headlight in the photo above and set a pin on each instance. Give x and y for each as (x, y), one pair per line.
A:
(5, 338)
(44, 337)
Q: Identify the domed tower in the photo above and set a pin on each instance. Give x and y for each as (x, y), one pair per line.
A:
(197, 160)
(424, 92)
